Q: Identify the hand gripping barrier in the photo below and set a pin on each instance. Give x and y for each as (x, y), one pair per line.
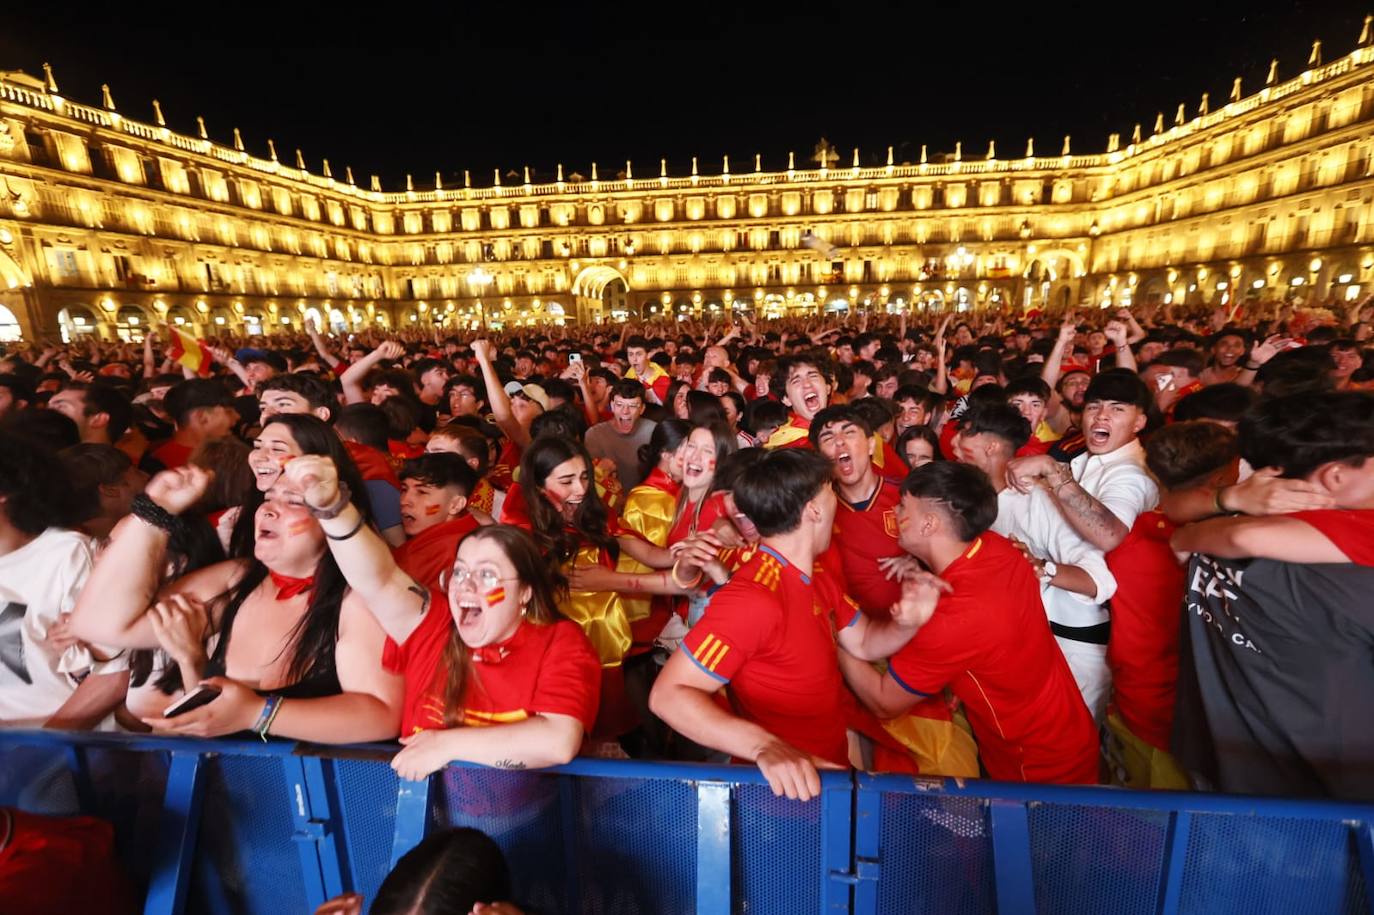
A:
(232, 827)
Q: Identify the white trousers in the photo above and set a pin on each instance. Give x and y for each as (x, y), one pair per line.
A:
(1090, 671)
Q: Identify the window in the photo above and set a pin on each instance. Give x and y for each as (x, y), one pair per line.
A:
(9, 326)
(64, 267)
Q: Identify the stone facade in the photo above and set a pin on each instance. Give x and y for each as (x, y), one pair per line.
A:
(109, 224)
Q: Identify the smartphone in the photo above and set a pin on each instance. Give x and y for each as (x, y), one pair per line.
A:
(201, 695)
(1163, 380)
(574, 357)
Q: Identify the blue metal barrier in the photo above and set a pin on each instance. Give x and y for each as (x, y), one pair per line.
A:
(208, 826)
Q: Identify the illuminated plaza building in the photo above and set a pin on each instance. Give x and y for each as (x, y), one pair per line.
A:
(109, 224)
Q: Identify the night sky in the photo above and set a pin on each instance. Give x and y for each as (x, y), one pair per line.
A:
(400, 90)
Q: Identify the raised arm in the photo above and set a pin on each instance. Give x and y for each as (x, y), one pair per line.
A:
(497, 398)
(578, 372)
(225, 357)
(1068, 330)
(149, 359)
(941, 383)
(393, 597)
(112, 608)
(1260, 353)
(1116, 332)
(320, 346)
(352, 378)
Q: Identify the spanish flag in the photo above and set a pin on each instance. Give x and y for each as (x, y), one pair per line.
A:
(189, 351)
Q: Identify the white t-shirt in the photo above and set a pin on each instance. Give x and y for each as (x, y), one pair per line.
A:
(39, 582)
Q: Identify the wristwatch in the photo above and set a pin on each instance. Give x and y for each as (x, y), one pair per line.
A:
(1048, 570)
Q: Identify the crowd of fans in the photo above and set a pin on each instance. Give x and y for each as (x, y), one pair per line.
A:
(1121, 547)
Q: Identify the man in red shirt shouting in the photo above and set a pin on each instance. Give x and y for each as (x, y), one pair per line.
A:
(806, 391)
(770, 634)
(988, 640)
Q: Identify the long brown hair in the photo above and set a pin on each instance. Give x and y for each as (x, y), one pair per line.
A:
(546, 584)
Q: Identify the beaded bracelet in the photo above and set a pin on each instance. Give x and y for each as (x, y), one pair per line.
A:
(149, 512)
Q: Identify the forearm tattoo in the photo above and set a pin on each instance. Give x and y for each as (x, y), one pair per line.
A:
(1093, 520)
(509, 764)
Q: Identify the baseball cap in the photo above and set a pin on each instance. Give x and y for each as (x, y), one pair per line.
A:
(529, 391)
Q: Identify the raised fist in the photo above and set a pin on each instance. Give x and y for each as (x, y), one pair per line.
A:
(177, 490)
(315, 477)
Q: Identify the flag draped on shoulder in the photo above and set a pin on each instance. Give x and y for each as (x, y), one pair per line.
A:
(189, 351)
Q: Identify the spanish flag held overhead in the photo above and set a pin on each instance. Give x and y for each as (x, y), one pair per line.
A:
(189, 351)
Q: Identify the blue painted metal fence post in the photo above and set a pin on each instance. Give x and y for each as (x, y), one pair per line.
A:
(1364, 847)
(868, 824)
(714, 890)
(176, 839)
(318, 841)
(838, 871)
(412, 816)
(1011, 857)
(1175, 856)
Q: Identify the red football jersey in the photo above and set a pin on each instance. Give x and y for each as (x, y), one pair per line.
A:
(1146, 616)
(768, 636)
(1352, 531)
(541, 669)
(990, 642)
(862, 537)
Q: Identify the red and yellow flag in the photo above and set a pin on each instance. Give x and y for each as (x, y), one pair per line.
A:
(189, 351)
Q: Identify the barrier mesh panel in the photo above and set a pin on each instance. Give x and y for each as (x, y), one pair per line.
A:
(127, 788)
(1247, 864)
(936, 856)
(636, 846)
(1096, 859)
(522, 812)
(245, 854)
(775, 854)
(367, 798)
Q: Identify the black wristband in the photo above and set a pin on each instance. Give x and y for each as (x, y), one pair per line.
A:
(146, 510)
(357, 527)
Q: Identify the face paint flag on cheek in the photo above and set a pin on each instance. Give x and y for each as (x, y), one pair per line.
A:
(433, 509)
(495, 596)
(553, 497)
(300, 527)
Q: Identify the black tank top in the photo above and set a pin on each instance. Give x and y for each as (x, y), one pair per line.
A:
(321, 678)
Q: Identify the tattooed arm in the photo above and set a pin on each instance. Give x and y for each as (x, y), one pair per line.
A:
(1093, 521)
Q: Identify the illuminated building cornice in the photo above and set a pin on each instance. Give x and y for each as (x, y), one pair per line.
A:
(199, 223)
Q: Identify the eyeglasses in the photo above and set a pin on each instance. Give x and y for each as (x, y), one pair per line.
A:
(482, 579)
